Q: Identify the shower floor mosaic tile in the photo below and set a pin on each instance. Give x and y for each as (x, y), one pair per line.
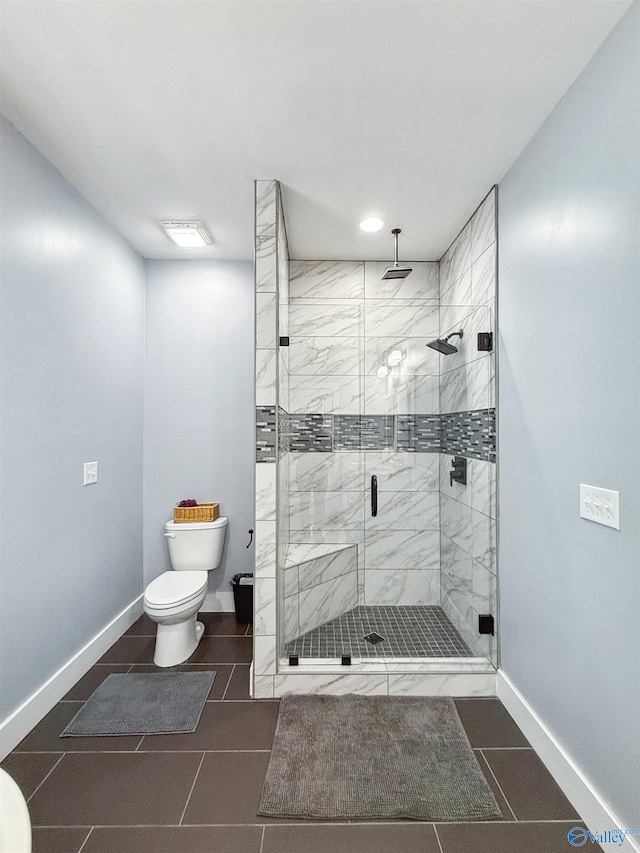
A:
(418, 631)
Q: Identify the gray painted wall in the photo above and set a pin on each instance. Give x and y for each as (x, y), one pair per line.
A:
(569, 315)
(72, 373)
(199, 433)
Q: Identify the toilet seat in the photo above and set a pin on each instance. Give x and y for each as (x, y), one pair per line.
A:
(173, 589)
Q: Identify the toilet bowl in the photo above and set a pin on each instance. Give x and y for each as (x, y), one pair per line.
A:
(15, 825)
(174, 598)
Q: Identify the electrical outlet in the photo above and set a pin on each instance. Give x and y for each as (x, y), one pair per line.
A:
(600, 505)
(90, 473)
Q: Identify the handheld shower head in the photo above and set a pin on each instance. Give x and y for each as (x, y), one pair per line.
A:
(442, 345)
(396, 271)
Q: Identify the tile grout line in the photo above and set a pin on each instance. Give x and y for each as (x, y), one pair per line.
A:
(503, 748)
(86, 839)
(236, 701)
(228, 682)
(133, 751)
(46, 777)
(246, 701)
(499, 785)
(264, 829)
(139, 745)
(186, 751)
(435, 829)
(310, 823)
(195, 779)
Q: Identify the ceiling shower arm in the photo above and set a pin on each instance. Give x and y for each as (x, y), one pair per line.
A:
(396, 272)
(395, 232)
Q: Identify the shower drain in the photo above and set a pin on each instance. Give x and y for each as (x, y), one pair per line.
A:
(373, 638)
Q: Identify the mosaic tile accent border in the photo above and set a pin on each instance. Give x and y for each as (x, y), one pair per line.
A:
(266, 433)
(311, 433)
(362, 432)
(471, 433)
(283, 432)
(418, 433)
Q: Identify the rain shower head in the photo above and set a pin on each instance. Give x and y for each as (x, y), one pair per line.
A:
(396, 271)
(442, 345)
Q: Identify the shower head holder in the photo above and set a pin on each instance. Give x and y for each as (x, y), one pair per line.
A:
(459, 334)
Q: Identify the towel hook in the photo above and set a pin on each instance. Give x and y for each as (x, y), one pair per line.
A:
(250, 538)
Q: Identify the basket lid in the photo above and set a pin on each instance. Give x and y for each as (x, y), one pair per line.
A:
(173, 526)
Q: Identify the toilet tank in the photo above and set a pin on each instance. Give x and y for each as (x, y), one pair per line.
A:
(196, 547)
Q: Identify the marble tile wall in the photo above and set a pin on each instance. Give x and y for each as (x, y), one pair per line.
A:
(359, 362)
(467, 406)
(321, 583)
(271, 395)
(283, 485)
(334, 681)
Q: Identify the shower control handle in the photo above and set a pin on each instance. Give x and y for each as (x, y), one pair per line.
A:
(458, 473)
(374, 496)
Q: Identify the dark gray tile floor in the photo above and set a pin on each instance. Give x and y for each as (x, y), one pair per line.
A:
(406, 631)
(198, 793)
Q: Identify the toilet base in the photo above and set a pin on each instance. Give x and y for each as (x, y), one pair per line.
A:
(176, 643)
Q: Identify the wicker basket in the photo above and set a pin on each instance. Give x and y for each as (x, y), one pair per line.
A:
(195, 514)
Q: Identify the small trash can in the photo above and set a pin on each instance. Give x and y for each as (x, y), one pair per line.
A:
(242, 585)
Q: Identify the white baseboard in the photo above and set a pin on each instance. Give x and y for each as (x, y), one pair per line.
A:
(18, 724)
(579, 790)
(218, 602)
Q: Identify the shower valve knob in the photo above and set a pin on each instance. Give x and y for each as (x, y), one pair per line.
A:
(458, 473)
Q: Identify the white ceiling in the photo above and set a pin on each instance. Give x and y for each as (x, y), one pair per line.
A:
(408, 109)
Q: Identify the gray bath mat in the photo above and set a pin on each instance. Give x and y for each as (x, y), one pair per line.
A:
(145, 703)
(363, 757)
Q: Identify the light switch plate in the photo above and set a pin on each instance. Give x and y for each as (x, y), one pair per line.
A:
(600, 505)
(90, 473)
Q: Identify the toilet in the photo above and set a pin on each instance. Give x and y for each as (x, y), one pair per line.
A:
(173, 599)
(15, 824)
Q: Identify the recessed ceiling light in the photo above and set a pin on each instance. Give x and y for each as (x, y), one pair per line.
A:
(371, 224)
(189, 235)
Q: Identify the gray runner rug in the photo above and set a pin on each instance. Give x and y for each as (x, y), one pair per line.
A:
(145, 703)
(363, 757)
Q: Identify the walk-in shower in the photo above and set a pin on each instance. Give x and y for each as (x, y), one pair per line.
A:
(375, 475)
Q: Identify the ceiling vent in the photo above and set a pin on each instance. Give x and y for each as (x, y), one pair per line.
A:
(189, 235)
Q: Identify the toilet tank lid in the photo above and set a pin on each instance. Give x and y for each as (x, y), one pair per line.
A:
(172, 526)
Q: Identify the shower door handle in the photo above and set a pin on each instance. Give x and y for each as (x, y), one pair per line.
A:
(374, 496)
